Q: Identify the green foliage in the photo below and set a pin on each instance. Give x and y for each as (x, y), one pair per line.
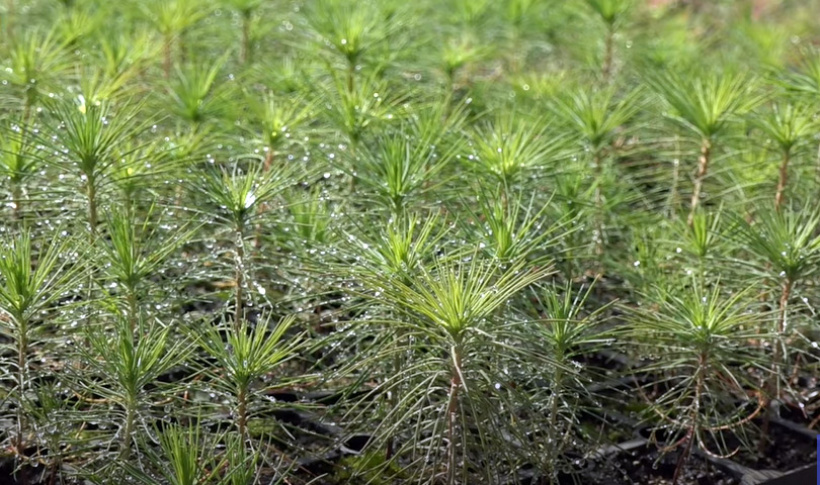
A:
(610, 11)
(352, 30)
(786, 242)
(471, 212)
(595, 115)
(236, 196)
(185, 458)
(250, 354)
(403, 166)
(509, 146)
(705, 104)
(194, 95)
(34, 279)
(34, 63)
(133, 251)
(703, 332)
(787, 125)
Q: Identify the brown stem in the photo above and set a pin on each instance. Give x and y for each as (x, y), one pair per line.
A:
(815, 422)
(556, 385)
(684, 456)
(10, 21)
(245, 55)
(609, 48)
(132, 310)
(777, 357)
(128, 428)
(781, 183)
(452, 410)
(22, 352)
(695, 418)
(784, 301)
(91, 190)
(240, 258)
(599, 205)
(703, 167)
(263, 207)
(351, 72)
(166, 56)
(395, 395)
(242, 414)
(17, 199)
(773, 384)
(268, 159)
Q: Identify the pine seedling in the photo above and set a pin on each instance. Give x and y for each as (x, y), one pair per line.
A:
(185, 457)
(33, 280)
(137, 169)
(194, 95)
(278, 118)
(237, 195)
(572, 194)
(48, 414)
(705, 335)
(18, 166)
(452, 306)
(596, 119)
(700, 240)
(788, 246)
(648, 268)
(510, 146)
(517, 12)
(98, 85)
(403, 166)
(611, 13)
(351, 30)
(134, 251)
(235, 199)
(806, 80)
(312, 216)
(565, 332)
(459, 52)
(520, 14)
(36, 61)
(88, 137)
(516, 229)
(597, 116)
(122, 54)
(171, 18)
(76, 24)
(470, 14)
(403, 246)
(275, 119)
(246, 10)
(788, 126)
(401, 249)
(358, 112)
(705, 105)
(127, 364)
(250, 355)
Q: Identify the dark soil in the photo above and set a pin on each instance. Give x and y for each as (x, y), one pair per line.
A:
(646, 466)
(805, 417)
(788, 451)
